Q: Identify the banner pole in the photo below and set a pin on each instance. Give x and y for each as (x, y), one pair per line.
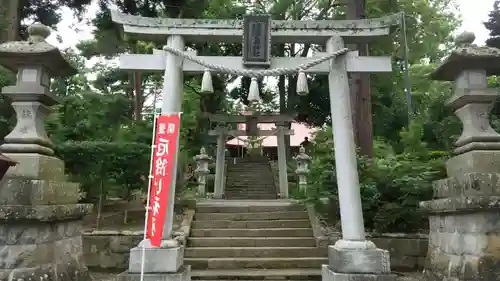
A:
(150, 177)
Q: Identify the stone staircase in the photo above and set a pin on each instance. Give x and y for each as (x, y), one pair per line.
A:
(250, 178)
(253, 240)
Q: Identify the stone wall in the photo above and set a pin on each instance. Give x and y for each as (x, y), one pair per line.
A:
(408, 251)
(109, 250)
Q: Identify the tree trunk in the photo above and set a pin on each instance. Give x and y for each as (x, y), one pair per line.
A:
(9, 20)
(138, 96)
(361, 104)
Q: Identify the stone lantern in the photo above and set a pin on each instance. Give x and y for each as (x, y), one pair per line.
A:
(302, 170)
(464, 216)
(39, 211)
(202, 171)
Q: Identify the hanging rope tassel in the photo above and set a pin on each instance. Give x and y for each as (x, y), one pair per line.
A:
(253, 92)
(206, 83)
(302, 88)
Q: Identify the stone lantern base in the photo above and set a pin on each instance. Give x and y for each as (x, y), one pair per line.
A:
(464, 220)
(40, 222)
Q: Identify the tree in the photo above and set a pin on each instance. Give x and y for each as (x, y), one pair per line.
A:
(493, 25)
(9, 23)
(430, 26)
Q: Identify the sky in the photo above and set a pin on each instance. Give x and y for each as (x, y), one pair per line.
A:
(474, 13)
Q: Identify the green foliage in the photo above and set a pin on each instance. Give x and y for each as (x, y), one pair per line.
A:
(392, 184)
(429, 29)
(89, 116)
(493, 25)
(7, 119)
(120, 166)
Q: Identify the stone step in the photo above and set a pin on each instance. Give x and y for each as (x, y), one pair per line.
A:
(237, 263)
(251, 242)
(266, 190)
(247, 170)
(248, 209)
(243, 193)
(253, 176)
(225, 224)
(250, 186)
(254, 252)
(257, 191)
(249, 182)
(287, 215)
(257, 274)
(254, 197)
(256, 176)
(245, 232)
(253, 165)
(246, 187)
(249, 174)
(245, 196)
(277, 278)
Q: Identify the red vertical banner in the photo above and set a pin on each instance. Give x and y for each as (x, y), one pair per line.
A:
(166, 137)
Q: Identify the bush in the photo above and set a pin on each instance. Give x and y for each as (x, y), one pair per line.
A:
(118, 167)
(391, 184)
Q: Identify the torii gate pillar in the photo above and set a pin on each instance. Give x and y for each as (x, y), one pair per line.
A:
(168, 260)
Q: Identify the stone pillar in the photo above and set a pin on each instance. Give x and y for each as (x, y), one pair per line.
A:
(220, 161)
(282, 167)
(224, 177)
(166, 262)
(202, 171)
(302, 170)
(464, 238)
(40, 218)
(353, 257)
(173, 88)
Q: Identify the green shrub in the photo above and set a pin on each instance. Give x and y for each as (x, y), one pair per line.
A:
(391, 185)
(120, 167)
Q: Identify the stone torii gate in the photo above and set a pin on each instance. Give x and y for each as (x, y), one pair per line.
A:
(352, 257)
(251, 120)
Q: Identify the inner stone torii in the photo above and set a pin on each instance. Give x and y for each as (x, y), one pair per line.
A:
(351, 258)
(251, 120)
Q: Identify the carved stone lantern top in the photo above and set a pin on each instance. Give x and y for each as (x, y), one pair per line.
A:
(302, 156)
(468, 56)
(35, 51)
(203, 156)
